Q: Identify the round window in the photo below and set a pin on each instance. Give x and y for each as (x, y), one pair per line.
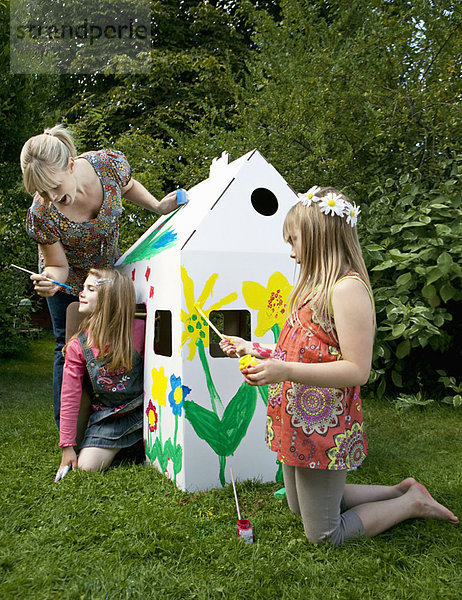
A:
(264, 202)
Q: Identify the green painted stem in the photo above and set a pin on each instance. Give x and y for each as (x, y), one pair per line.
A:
(276, 332)
(210, 385)
(222, 460)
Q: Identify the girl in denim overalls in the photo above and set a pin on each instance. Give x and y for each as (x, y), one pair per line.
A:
(323, 356)
(107, 350)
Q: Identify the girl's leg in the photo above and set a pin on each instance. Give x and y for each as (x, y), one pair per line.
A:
(96, 459)
(416, 502)
(319, 494)
(355, 494)
(291, 490)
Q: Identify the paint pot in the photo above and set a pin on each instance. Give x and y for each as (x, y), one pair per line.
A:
(181, 197)
(245, 531)
(247, 361)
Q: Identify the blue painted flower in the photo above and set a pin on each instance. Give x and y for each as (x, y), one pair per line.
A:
(177, 394)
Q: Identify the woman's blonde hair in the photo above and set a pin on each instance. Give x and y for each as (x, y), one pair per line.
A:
(329, 250)
(110, 326)
(44, 156)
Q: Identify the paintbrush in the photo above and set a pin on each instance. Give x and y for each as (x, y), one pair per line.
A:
(221, 336)
(49, 278)
(235, 494)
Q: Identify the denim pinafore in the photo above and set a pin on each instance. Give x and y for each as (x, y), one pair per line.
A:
(117, 402)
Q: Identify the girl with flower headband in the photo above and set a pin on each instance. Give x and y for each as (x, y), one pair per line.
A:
(108, 350)
(314, 372)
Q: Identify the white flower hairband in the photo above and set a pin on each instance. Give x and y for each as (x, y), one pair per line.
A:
(332, 204)
(310, 196)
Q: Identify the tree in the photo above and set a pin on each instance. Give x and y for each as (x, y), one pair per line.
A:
(363, 96)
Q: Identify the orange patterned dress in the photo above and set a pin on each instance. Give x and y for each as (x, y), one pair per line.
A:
(313, 427)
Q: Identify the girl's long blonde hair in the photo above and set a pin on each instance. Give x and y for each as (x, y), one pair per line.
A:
(330, 249)
(44, 156)
(110, 326)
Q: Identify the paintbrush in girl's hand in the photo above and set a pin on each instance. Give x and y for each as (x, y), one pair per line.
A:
(220, 335)
(49, 278)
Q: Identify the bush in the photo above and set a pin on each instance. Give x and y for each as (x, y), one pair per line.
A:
(414, 254)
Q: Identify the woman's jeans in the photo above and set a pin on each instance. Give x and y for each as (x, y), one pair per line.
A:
(57, 306)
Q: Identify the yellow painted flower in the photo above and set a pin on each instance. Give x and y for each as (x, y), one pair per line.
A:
(271, 302)
(194, 326)
(159, 386)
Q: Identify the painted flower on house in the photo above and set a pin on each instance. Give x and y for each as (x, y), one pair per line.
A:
(159, 386)
(152, 416)
(177, 394)
(271, 302)
(194, 326)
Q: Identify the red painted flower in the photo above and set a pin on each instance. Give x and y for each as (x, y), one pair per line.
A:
(153, 418)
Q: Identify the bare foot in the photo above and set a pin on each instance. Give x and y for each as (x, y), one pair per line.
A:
(403, 486)
(427, 507)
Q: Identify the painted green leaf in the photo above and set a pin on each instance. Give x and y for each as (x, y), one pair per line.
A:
(263, 391)
(161, 455)
(175, 453)
(224, 435)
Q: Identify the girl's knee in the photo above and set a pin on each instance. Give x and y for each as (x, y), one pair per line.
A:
(87, 464)
(96, 459)
(334, 538)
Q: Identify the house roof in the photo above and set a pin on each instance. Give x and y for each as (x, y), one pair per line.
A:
(245, 199)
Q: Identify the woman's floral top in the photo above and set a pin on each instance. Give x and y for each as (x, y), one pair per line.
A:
(93, 243)
(313, 427)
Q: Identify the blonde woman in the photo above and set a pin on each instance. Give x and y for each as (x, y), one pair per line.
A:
(108, 349)
(74, 218)
(323, 356)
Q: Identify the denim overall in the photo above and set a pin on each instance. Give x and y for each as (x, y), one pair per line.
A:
(117, 402)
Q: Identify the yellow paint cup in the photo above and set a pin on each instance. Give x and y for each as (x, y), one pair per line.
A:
(247, 361)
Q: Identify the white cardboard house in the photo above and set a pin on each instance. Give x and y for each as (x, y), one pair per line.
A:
(224, 253)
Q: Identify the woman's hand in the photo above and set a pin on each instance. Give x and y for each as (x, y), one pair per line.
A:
(267, 371)
(135, 192)
(234, 346)
(68, 461)
(56, 267)
(167, 204)
(43, 286)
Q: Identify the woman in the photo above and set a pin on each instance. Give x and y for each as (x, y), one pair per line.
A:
(74, 218)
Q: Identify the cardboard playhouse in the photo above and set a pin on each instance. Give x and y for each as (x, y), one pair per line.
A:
(223, 253)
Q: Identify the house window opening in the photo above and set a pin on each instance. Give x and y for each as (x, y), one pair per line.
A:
(163, 333)
(231, 322)
(264, 202)
(140, 312)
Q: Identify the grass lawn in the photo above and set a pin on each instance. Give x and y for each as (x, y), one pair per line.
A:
(129, 533)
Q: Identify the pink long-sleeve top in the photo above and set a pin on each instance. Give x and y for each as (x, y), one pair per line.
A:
(73, 375)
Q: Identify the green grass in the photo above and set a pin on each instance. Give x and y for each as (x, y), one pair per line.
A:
(129, 533)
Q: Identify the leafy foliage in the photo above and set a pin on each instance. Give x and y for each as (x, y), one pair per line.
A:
(414, 251)
(360, 95)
